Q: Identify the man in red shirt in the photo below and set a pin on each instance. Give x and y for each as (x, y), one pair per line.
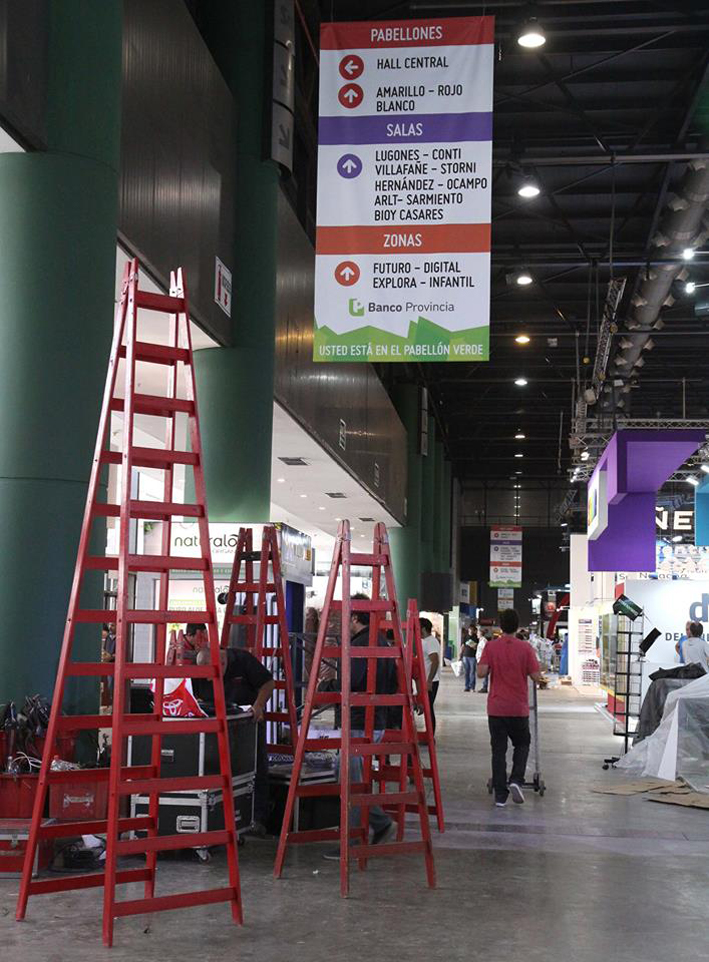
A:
(509, 662)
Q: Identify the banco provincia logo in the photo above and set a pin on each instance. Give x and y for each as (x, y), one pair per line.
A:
(356, 307)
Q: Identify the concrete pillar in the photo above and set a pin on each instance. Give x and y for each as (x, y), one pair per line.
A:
(406, 541)
(235, 384)
(58, 225)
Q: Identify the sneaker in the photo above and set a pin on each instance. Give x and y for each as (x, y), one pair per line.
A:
(517, 793)
(500, 802)
(384, 835)
(466, 689)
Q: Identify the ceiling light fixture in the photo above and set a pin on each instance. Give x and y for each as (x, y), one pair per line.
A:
(690, 287)
(304, 496)
(677, 537)
(688, 254)
(693, 481)
(528, 189)
(531, 34)
(519, 455)
(281, 481)
(520, 436)
(705, 468)
(584, 455)
(321, 507)
(522, 339)
(524, 278)
(564, 524)
(521, 381)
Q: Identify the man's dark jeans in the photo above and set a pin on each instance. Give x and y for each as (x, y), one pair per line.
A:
(516, 729)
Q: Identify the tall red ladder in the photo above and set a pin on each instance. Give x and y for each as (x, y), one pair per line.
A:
(384, 613)
(140, 780)
(256, 620)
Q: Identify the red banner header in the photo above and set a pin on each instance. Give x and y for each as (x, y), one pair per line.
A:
(449, 31)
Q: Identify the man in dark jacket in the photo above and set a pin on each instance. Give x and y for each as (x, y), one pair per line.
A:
(382, 826)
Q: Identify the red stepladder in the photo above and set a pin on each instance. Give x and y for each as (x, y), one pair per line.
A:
(176, 400)
(266, 631)
(384, 613)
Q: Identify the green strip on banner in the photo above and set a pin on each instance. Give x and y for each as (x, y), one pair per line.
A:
(425, 340)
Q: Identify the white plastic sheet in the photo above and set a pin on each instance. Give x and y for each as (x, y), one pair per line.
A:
(679, 748)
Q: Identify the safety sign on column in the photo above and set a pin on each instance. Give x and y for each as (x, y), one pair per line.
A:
(404, 161)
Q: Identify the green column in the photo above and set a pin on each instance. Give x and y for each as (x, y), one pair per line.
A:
(235, 384)
(58, 224)
(406, 541)
(437, 496)
(428, 503)
(446, 517)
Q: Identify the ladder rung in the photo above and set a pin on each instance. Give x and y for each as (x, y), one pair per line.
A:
(245, 586)
(361, 651)
(182, 901)
(146, 616)
(100, 827)
(279, 685)
(364, 604)
(363, 699)
(147, 670)
(318, 789)
(77, 775)
(166, 726)
(171, 843)
(272, 652)
(314, 835)
(90, 668)
(392, 848)
(369, 560)
(277, 716)
(155, 405)
(322, 744)
(75, 723)
(152, 458)
(382, 748)
(252, 619)
(161, 786)
(157, 353)
(327, 698)
(159, 302)
(386, 798)
(145, 562)
(150, 509)
(95, 879)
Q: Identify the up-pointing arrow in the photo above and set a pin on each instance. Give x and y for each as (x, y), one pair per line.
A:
(349, 165)
(347, 273)
(350, 95)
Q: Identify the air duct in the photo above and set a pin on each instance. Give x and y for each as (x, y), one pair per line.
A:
(683, 225)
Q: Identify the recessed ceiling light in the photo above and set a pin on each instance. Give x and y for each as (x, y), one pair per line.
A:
(690, 287)
(521, 381)
(321, 508)
(522, 339)
(531, 34)
(688, 253)
(528, 190)
(520, 436)
(519, 455)
(524, 278)
(304, 496)
(518, 472)
(281, 480)
(564, 524)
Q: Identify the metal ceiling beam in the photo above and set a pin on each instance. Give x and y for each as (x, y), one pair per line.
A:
(606, 160)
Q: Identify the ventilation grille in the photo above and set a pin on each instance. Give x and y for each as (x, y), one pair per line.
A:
(367, 519)
(295, 462)
(335, 494)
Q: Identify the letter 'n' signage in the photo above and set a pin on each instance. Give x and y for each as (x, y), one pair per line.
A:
(402, 267)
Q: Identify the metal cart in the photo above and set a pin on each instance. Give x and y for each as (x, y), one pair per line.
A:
(536, 782)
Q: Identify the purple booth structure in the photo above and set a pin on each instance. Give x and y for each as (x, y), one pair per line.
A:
(622, 493)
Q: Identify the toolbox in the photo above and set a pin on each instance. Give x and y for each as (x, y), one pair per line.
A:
(198, 754)
(14, 833)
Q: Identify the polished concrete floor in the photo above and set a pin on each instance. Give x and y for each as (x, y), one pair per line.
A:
(570, 876)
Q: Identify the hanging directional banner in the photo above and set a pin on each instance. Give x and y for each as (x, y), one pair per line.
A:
(505, 556)
(404, 162)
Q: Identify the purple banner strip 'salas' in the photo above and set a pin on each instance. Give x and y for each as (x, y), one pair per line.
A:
(405, 129)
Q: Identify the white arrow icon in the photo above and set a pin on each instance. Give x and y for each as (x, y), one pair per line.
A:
(347, 273)
(349, 166)
(350, 95)
(350, 67)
